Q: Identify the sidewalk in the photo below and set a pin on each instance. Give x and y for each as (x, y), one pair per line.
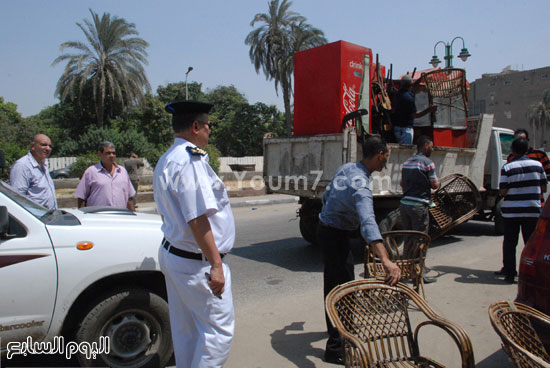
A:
(251, 201)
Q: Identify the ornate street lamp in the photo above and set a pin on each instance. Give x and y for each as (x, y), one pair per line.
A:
(464, 54)
(186, 90)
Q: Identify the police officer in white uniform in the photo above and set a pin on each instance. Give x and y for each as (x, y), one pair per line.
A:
(199, 230)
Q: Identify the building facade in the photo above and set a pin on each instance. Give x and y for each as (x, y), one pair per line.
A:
(508, 95)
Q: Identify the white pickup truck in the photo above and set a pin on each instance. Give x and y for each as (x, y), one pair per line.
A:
(77, 275)
(304, 166)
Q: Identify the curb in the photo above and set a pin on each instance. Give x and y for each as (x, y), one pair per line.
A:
(263, 202)
(236, 203)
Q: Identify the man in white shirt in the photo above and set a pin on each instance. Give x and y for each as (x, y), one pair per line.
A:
(199, 230)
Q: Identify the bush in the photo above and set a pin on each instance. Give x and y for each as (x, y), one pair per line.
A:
(83, 162)
(12, 153)
(214, 155)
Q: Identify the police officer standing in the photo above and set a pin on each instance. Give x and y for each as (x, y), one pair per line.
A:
(199, 230)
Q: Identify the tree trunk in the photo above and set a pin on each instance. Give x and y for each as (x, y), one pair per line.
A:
(286, 100)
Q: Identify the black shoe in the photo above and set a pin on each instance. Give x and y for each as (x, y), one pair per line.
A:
(501, 272)
(509, 279)
(428, 280)
(334, 357)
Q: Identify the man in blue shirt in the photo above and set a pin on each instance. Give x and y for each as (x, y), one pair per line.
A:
(347, 206)
(404, 112)
(29, 175)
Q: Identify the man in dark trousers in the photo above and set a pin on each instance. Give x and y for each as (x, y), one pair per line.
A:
(522, 181)
(347, 207)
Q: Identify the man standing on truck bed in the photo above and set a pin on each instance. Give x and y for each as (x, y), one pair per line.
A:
(404, 112)
(522, 181)
(347, 206)
(199, 230)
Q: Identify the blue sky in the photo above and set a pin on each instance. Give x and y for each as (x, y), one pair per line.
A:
(209, 35)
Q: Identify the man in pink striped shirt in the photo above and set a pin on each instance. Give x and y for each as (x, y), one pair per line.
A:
(105, 183)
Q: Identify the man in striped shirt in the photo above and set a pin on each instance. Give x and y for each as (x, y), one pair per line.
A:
(533, 154)
(522, 181)
(418, 178)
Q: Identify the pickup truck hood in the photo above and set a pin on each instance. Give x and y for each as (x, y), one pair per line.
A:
(137, 220)
(138, 231)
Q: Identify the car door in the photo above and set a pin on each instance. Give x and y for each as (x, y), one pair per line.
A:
(28, 275)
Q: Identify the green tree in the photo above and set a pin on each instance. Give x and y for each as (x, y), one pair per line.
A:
(110, 64)
(280, 34)
(538, 114)
(243, 134)
(176, 92)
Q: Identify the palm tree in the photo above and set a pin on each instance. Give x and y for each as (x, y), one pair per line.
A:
(272, 46)
(538, 113)
(110, 63)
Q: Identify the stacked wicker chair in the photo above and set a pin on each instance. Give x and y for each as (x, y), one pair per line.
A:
(373, 320)
(513, 322)
(407, 249)
(456, 201)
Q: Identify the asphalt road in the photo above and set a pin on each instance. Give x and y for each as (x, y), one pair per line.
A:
(277, 287)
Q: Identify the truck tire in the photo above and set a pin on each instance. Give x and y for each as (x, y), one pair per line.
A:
(499, 222)
(309, 219)
(138, 326)
(391, 222)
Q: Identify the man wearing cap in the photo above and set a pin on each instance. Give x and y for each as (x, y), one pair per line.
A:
(29, 175)
(404, 112)
(199, 230)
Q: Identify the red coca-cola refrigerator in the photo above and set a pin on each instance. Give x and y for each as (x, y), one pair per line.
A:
(327, 82)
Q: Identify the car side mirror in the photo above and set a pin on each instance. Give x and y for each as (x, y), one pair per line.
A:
(5, 224)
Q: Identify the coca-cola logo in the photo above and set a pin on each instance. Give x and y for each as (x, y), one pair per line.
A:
(348, 98)
(355, 65)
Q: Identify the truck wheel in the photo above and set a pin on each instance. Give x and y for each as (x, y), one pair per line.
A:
(138, 326)
(391, 222)
(309, 219)
(308, 229)
(499, 222)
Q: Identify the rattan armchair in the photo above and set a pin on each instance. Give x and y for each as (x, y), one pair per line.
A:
(373, 320)
(407, 249)
(513, 322)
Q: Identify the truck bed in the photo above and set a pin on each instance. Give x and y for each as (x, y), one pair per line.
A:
(304, 166)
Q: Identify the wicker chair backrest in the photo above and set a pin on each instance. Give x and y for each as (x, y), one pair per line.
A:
(514, 324)
(379, 318)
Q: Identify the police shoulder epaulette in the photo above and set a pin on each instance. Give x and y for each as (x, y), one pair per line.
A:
(195, 151)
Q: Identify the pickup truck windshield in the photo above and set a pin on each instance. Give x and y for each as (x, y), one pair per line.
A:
(34, 208)
(506, 143)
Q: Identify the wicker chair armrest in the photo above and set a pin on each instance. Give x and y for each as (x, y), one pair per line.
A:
(458, 335)
(358, 346)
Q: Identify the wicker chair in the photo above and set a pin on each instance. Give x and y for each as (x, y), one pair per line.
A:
(513, 322)
(407, 249)
(373, 320)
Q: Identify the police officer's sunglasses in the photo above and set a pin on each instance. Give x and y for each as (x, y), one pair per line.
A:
(209, 123)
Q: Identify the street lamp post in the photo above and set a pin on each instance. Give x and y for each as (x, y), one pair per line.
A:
(186, 89)
(464, 54)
